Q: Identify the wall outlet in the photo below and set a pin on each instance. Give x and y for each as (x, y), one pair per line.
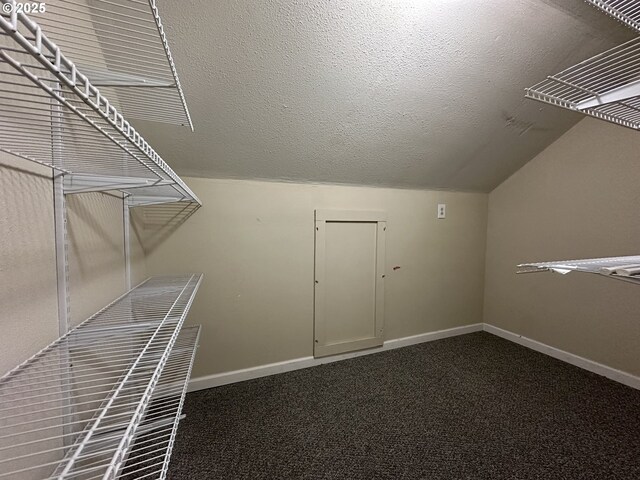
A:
(442, 210)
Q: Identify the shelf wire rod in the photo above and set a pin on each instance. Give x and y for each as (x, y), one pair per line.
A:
(172, 66)
(28, 142)
(56, 417)
(619, 107)
(91, 396)
(181, 405)
(155, 441)
(159, 432)
(144, 68)
(92, 443)
(124, 71)
(125, 415)
(158, 416)
(100, 129)
(613, 78)
(141, 15)
(134, 49)
(603, 81)
(135, 394)
(159, 458)
(63, 61)
(607, 61)
(620, 49)
(119, 30)
(40, 379)
(128, 43)
(96, 363)
(161, 112)
(123, 5)
(79, 357)
(146, 64)
(74, 389)
(94, 32)
(11, 373)
(78, 450)
(94, 15)
(174, 373)
(621, 11)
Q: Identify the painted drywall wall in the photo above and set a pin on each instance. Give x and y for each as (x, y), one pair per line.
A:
(96, 260)
(28, 292)
(254, 241)
(578, 199)
(28, 295)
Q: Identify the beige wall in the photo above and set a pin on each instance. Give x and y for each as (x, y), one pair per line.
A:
(96, 252)
(28, 292)
(254, 241)
(28, 296)
(578, 199)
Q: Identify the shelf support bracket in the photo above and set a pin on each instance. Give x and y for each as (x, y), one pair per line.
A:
(126, 218)
(62, 258)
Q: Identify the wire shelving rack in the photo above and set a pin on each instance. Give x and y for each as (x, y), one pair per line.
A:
(105, 399)
(122, 47)
(606, 86)
(625, 11)
(56, 116)
(620, 268)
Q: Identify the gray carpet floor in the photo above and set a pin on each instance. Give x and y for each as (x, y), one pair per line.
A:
(469, 407)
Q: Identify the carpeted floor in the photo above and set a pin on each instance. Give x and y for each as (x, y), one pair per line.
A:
(469, 407)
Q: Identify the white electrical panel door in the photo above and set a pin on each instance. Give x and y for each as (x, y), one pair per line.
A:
(349, 283)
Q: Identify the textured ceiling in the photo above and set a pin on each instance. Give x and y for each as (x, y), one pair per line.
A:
(407, 93)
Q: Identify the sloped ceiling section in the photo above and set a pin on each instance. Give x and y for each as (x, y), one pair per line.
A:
(403, 93)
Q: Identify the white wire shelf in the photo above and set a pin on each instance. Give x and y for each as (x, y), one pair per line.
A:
(151, 452)
(53, 115)
(620, 268)
(122, 47)
(606, 86)
(103, 400)
(625, 11)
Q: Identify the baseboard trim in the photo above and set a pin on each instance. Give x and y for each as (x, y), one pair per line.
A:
(219, 379)
(584, 363)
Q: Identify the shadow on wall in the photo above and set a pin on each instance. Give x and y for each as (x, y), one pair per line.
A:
(153, 224)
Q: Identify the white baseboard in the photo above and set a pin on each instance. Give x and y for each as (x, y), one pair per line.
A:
(595, 367)
(216, 380)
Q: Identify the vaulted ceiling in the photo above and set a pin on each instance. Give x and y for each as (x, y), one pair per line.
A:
(406, 93)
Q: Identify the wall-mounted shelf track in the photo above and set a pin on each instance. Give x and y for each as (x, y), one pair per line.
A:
(104, 400)
(54, 114)
(620, 268)
(625, 11)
